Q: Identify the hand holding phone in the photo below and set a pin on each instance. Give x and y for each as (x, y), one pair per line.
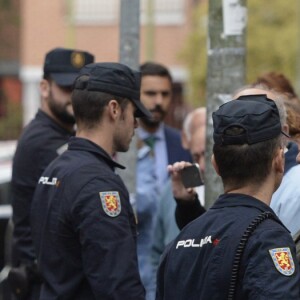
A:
(191, 176)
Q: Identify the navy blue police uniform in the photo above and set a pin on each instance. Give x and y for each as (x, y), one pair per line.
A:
(84, 228)
(203, 253)
(40, 143)
(42, 140)
(238, 249)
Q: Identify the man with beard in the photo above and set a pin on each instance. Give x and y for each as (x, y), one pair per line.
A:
(43, 139)
(158, 146)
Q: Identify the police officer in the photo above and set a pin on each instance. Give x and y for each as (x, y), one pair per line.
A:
(238, 249)
(83, 225)
(43, 139)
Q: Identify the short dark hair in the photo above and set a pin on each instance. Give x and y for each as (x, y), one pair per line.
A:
(88, 106)
(155, 69)
(243, 164)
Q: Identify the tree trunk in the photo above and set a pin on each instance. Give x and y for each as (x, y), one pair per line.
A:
(129, 55)
(225, 72)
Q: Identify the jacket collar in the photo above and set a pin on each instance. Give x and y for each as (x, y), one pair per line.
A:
(76, 143)
(231, 200)
(238, 200)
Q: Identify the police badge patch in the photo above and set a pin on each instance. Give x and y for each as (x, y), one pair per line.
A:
(111, 203)
(77, 59)
(283, 260)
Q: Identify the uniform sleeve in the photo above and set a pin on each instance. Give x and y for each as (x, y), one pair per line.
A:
(24, 178)
(29, 163)
(187, 211)
(21, 203)
(105, 223)
(272, 271)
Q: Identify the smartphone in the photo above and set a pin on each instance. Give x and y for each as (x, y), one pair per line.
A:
(191, 176)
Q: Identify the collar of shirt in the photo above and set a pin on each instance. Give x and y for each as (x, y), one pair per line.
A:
(142, 134)
(159, 133)
(160, 147)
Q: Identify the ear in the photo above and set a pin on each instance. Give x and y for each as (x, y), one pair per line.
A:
(279, 161)
(184, 140)
(285, 128)
(214, 163)
(45, 88)
(113, 109)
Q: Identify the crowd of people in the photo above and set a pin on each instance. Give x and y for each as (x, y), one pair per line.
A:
(76, 234)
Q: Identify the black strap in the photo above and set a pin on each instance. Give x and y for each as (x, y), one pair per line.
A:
(240, 250)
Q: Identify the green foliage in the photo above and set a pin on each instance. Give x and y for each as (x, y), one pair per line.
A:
(272, 37)
(5, 4)
(271, 43)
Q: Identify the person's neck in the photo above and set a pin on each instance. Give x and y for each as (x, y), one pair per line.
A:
(105, 142)
(149, 129)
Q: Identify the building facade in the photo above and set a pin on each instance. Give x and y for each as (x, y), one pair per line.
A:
(93, 25)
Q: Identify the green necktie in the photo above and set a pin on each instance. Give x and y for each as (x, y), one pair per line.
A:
(150, 141)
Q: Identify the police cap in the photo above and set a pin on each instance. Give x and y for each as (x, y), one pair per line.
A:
(256, 115)
(63, 65)
(116, 79)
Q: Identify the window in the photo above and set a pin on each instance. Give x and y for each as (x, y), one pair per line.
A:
(165, 12)
(96, 11)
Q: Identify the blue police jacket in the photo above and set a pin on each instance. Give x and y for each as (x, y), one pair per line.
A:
(198, 264)
(41, 142)
(84, 229)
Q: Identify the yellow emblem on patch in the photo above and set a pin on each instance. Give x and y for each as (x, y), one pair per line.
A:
(77, 59)
(283, 260)
(111, 203)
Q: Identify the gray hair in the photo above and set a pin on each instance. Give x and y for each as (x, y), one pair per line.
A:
(279, 101)
(188, 127)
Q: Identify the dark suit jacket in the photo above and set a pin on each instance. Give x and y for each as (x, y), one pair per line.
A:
(174, 148)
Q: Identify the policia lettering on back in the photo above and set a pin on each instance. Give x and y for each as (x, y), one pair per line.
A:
(238, 249)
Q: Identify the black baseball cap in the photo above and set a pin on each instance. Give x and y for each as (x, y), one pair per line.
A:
(256, 115)
(63, 65)
(116, 79)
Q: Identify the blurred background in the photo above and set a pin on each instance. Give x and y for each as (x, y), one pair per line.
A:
(172, 32)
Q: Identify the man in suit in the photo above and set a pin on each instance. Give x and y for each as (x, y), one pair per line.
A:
(158, 146)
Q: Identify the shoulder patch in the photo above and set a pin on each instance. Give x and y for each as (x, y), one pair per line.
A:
(111, 203)
(283, 260)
